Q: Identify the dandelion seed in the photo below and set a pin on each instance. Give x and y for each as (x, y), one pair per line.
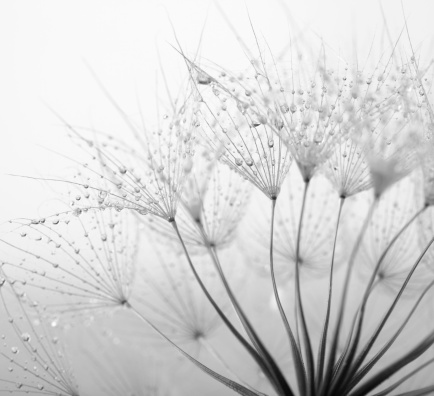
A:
(145, 175)
(237, 129)
(395, 208)
(215, 198)
(174, 300)
(82, 259)
(318, 230)
(37, 365)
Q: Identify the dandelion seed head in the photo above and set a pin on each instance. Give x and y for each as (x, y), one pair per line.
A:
(34, 360)
(237, 126)
(395, 208)
(214, 202)
(144, 174)
(87, 261)
(317, 230)
(173, 300)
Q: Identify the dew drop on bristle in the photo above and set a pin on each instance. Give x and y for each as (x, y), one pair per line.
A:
(204, 79)
(25, 337)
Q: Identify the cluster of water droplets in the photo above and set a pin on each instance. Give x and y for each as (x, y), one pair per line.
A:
(145, 173)
(86, 260)
(235, 120)
(36, 361)
(213, 202)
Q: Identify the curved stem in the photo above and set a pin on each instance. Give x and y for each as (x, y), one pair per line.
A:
(351, 347)
(355, 379)
(216, 355)
(225, 381)
(304, 330)
(331, 361)
(386, 372)
(323, 343)
(263, 359)
(298, 358)
(405, 378)
(374, 337)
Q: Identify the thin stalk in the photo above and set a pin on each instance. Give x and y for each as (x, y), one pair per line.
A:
(386, 372)
(298, 358)
(214, 353)
(405, 378)
(362, 372)
(251, 332)
(266, 362)
(324, 389)
(242, 390)
(377, 332)
(304, 330)
(352, 347)
(323, 343)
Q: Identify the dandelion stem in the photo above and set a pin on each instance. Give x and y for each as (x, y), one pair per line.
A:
(298, 358)
(305, 333)
(264, 360)
(331, 361)
(351, 347)
(216, 355)
(375, 335)
(355, 379)
(394, 367)
(226, 381)
(323, 344)
(405, 378)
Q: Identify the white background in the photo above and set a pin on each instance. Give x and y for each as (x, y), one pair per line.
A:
(44, 46)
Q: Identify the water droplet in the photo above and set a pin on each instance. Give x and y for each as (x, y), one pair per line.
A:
(284, 108)
(77, 212)
(102, 195)
(204, 79)
(15, 350)
(25, 337)
(238, 161)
